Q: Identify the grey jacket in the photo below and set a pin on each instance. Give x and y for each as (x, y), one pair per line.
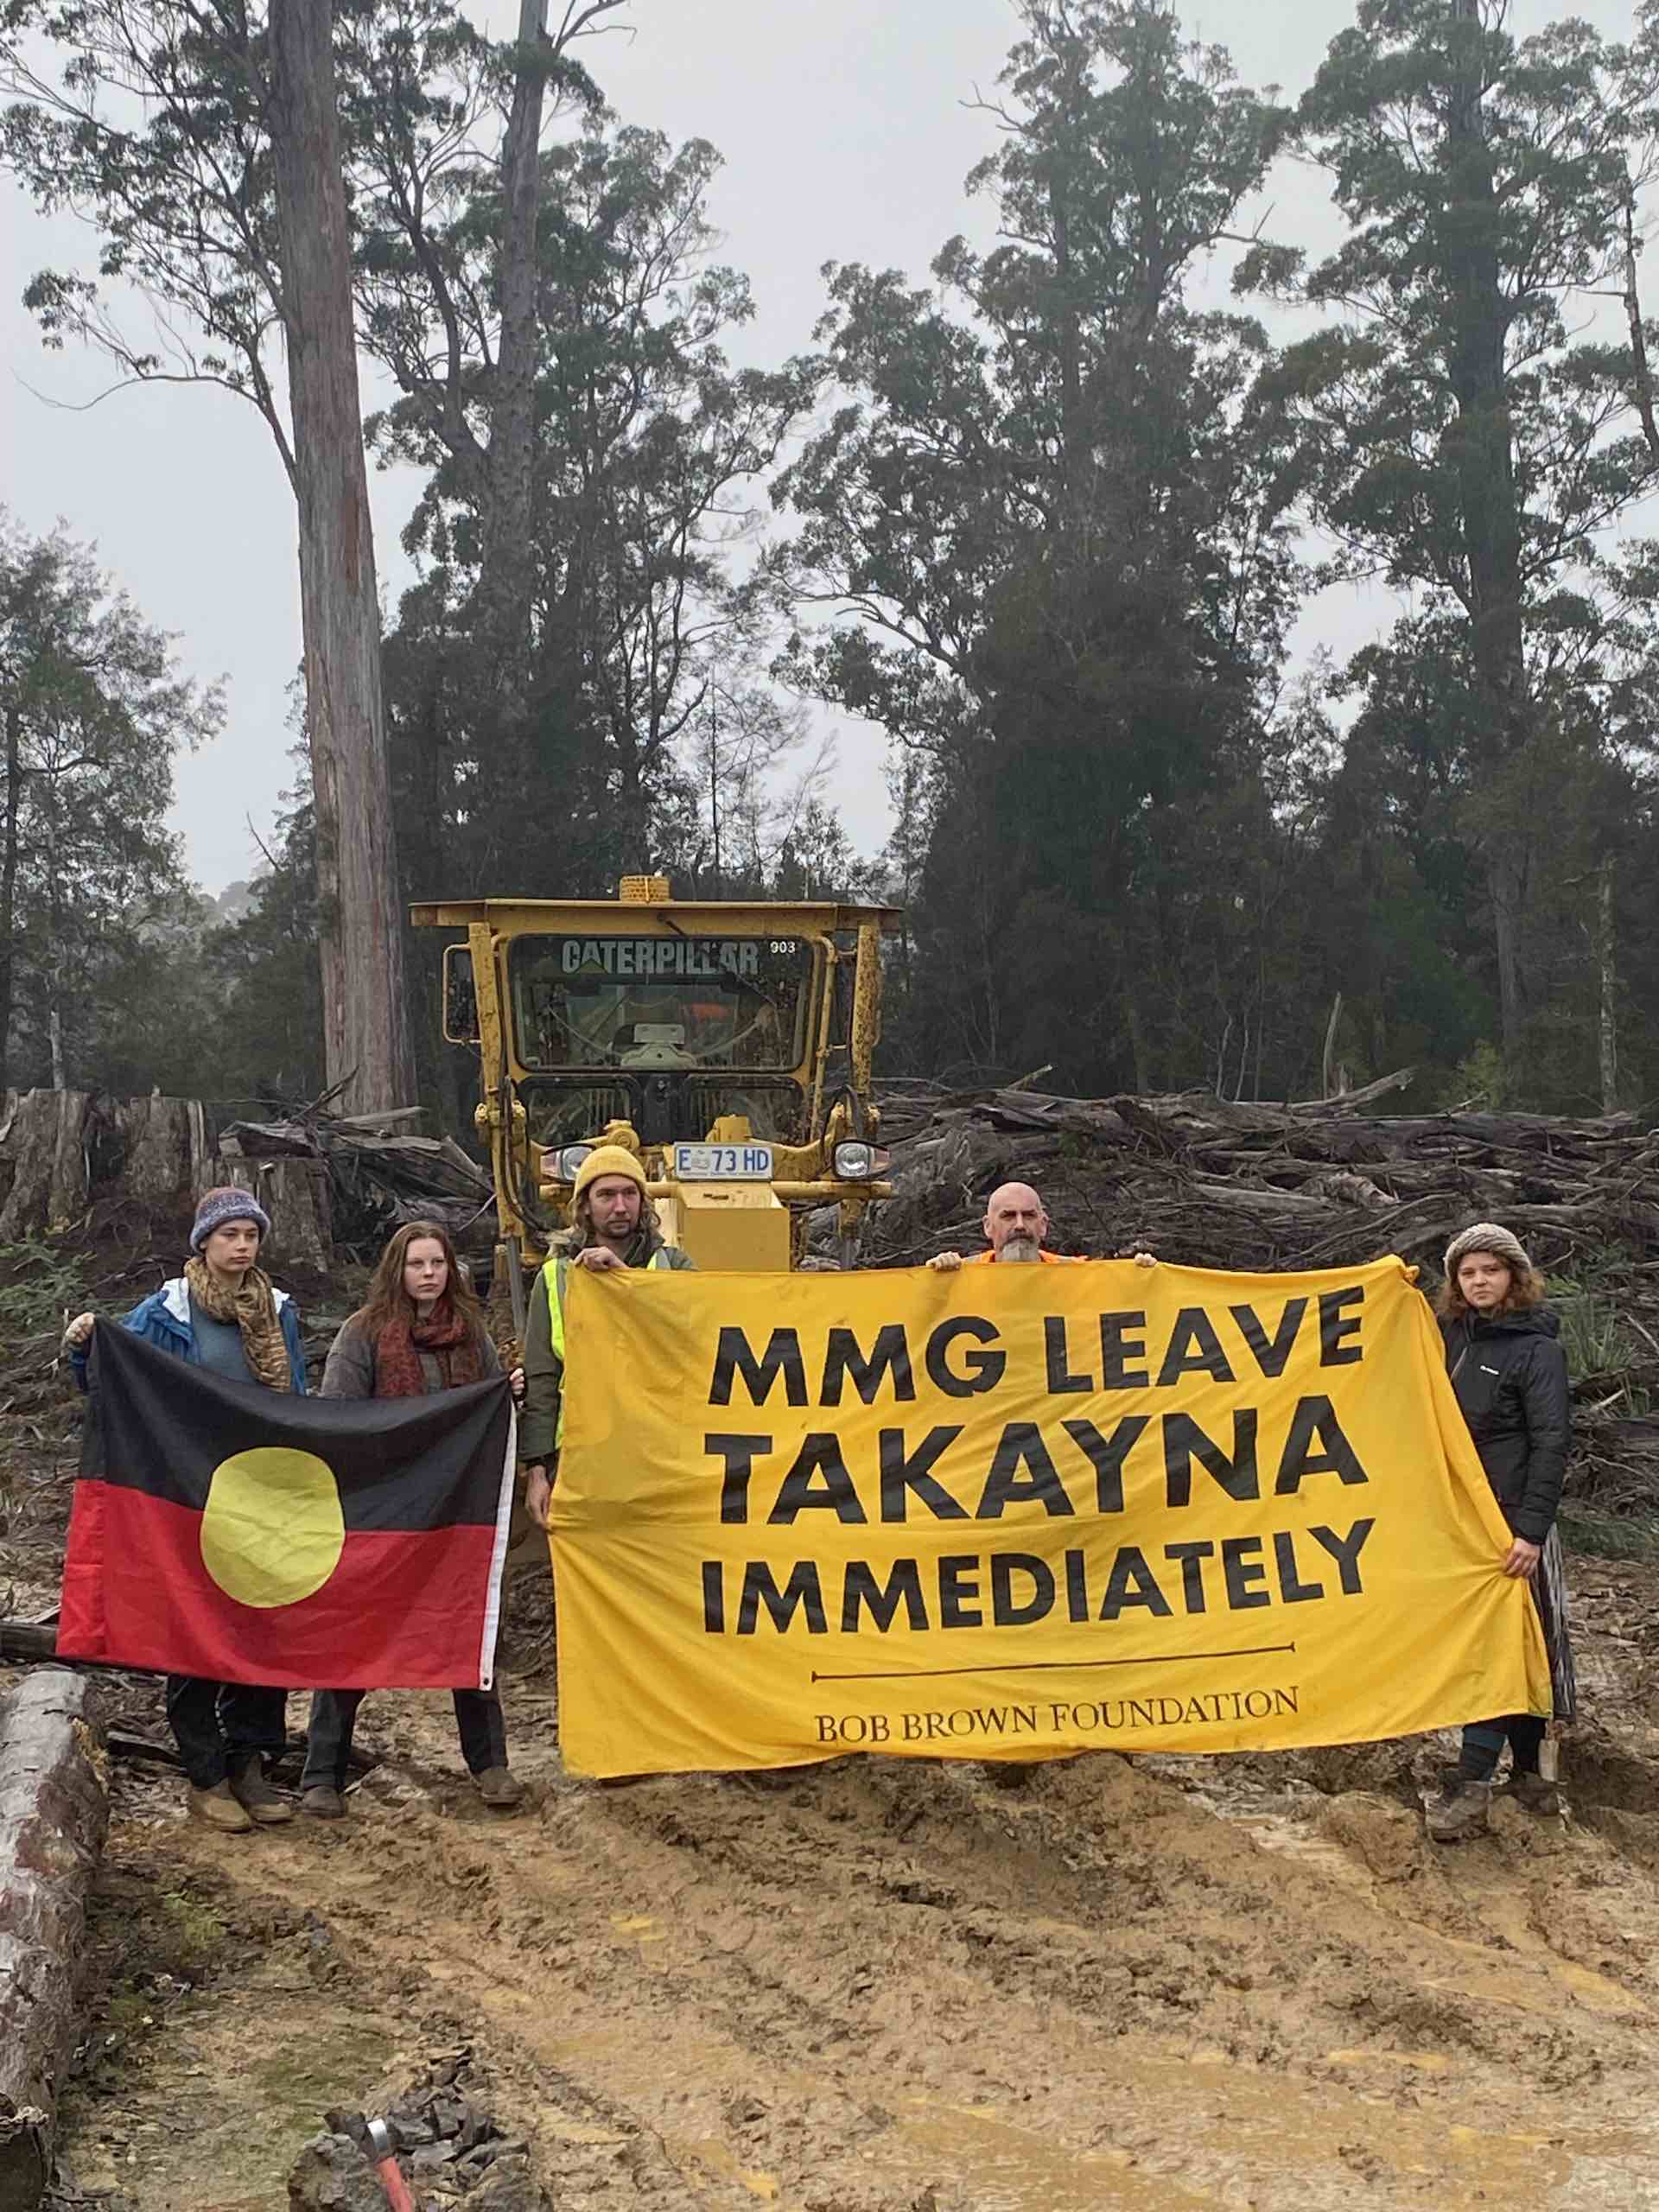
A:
(350, 1371)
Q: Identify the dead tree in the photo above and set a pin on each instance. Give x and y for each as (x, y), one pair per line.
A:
(365, 1017)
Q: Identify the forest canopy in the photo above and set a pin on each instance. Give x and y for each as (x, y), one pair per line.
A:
(1048, 514)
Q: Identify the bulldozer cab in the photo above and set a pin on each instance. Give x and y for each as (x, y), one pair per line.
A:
(727, 1045)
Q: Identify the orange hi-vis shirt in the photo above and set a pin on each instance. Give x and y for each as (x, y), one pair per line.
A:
(1048, 1259)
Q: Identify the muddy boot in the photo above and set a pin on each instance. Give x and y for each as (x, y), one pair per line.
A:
(216, 1808)
(1463, 1810)
(501, 1787)
(1534, 1792)
(257, 1799)
(320, 1803)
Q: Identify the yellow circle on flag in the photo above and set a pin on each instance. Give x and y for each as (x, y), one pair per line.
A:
(272, 1530)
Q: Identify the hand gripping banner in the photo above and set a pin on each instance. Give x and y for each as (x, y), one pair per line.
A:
(1018, 1512)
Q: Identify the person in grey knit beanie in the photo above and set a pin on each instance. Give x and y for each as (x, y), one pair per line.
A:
(222, 1204)
(1488, 1237)
(226, 1315)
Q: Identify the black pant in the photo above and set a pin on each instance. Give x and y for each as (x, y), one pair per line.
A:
(1482, 1740)
(334, 1716)
(221, 1728)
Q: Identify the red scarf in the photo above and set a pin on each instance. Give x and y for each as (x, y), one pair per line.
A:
(397, 1348)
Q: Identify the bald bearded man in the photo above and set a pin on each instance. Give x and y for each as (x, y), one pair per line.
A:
(1015, 1225)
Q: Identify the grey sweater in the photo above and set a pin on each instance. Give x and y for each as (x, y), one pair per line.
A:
(350, 1371)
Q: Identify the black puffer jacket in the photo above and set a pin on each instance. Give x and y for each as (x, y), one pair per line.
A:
(1510, 1378)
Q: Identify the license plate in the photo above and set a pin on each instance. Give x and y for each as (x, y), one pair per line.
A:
(722, 1163)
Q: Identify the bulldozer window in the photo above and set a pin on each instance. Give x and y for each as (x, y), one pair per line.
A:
(459, 995)
(660, 1003)
(565, 1109)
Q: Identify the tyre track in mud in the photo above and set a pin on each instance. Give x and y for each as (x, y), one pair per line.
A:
(878, 1980)
(881, 1986)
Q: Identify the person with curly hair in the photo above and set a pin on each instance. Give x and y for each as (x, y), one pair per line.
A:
(1509, 1373)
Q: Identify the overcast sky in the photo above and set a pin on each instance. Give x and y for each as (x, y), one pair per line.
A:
(847, 137)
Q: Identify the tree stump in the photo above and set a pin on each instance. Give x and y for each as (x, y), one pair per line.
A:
(53, 1813)
(46, 1145)
(170, 1146)
(294, 1191)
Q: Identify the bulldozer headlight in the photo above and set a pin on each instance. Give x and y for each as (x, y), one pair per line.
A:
(567, 1162)
(855, 1161)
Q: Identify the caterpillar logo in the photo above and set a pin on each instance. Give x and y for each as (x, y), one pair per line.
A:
(702, 958)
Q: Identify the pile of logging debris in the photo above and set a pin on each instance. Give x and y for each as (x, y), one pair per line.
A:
(1226, 1183)
(334, 1184)
(378, 1172)
(1217, 1183)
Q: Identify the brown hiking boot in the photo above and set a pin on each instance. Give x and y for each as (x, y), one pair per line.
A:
(322, 1803)
(501, 1787)
(1534, 1792)
(216, 1808)
(1463, 1809)
(257, 1799)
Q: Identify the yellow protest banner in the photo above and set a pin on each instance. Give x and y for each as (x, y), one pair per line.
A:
(1017, 1511)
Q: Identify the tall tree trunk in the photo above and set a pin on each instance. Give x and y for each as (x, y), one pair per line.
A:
(365, 1001)
(505, 582)
(1607, 972)
(8, 880)
(1505, 877)
(1489, 503)
(55, 1036)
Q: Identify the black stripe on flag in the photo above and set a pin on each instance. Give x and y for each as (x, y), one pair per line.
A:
(160, 1425)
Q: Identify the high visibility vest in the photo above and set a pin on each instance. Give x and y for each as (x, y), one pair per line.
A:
(555, 1271)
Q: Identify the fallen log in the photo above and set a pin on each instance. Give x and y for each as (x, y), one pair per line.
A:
(54, 1814)
(27, 1640)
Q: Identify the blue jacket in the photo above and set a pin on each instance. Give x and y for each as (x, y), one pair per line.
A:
(163, 1319)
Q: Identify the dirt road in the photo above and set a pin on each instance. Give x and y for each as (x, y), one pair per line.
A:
(888, 1987)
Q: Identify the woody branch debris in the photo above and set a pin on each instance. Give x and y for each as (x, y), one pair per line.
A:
(1250, 1185)
(380, 1171)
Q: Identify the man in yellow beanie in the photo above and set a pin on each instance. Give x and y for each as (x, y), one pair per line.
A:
(616, 1227)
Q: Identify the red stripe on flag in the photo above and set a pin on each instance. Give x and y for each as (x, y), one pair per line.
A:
(404, 1610)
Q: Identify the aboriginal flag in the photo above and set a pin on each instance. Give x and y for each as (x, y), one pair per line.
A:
(248, 1536)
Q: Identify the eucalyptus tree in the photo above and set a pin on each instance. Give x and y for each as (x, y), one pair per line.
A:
(1053, 532)
(215, 151)
(1475, 406)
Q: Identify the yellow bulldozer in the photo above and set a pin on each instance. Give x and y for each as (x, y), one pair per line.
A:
(726, 1046)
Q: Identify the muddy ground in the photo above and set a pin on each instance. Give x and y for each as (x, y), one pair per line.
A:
(884, 1987)
(896, 1988)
